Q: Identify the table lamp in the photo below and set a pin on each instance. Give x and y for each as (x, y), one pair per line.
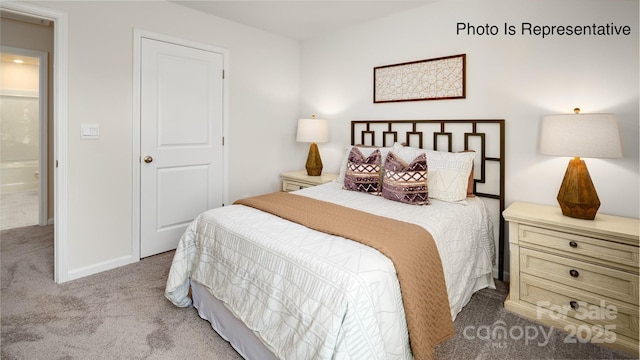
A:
(314, 131)
(580, 135)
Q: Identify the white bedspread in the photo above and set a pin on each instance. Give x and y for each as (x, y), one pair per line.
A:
(309, 295)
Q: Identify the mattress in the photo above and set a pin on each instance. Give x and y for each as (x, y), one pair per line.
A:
(306, 294)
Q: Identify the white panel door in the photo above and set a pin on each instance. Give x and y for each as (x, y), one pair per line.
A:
(181, 120)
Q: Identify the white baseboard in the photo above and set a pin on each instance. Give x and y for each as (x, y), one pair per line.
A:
(100, 267)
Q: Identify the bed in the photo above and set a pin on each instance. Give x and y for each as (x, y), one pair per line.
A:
(275, 286)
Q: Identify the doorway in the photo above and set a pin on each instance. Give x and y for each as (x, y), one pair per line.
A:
(23, 129)
(57, 173)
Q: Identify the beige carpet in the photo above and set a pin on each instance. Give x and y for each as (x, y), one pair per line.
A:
(119, 314)
(122, 314)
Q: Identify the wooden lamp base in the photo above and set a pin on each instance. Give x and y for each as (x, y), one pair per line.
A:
(314, 163)
(577, 196)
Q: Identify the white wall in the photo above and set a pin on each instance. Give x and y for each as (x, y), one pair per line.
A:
(263, 86)
(518, 78)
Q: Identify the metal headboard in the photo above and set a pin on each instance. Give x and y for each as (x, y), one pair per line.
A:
(486, 137)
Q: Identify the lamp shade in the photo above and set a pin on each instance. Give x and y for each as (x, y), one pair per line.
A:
(313, 130)
(581, 135)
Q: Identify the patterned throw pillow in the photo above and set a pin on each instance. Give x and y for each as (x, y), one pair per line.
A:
(449, 172)
(363, 174)
(404, 182)
(449, 175)
(366, 151)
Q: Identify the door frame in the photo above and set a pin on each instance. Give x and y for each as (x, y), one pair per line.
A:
(43, 120)
(138, 35)
(60, 128)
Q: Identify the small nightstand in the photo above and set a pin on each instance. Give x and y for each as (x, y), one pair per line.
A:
(580, 276)
(297, 180)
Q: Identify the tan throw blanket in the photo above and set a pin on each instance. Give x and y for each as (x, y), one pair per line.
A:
(410, 247)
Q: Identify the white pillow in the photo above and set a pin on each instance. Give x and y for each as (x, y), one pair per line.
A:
(366, 151)
(447, 172)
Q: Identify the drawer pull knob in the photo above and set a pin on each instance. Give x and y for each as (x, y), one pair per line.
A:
(573, 244)
(574, 273)
(574, 304)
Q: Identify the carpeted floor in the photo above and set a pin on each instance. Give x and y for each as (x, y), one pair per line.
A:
(122, 314)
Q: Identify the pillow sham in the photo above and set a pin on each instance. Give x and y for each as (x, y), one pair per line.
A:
(449, 172)
(404, 182)
(366, 151)
(363, 174)
(471, 181)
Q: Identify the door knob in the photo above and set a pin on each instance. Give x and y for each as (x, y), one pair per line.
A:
(148, 159)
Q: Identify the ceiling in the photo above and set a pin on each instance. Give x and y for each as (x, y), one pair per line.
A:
(28, 60)
(302, 19)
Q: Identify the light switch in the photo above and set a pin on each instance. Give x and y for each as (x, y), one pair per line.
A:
(89, 131)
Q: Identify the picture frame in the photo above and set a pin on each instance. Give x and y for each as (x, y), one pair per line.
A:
(431, 79)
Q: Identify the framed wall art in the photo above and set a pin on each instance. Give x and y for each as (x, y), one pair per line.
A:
(432, 79)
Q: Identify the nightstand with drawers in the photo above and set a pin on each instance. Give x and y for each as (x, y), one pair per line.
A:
(580, 276)
(297, 180)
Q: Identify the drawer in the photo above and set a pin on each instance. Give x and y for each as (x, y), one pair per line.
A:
(589, 277)
(560, 302)
(581, 247)
(291, 186)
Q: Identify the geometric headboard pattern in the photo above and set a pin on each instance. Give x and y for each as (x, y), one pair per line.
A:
(485, 137)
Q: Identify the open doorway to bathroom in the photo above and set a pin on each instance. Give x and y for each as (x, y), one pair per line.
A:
(23, 137)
